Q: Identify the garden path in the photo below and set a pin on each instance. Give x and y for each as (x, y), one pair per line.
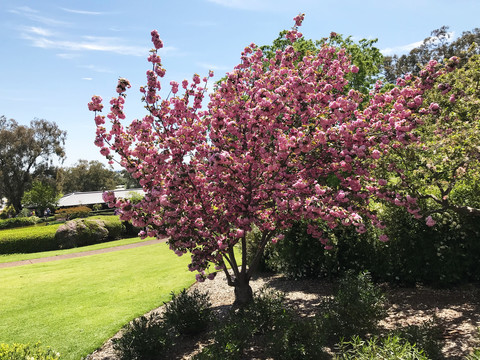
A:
(80, 254)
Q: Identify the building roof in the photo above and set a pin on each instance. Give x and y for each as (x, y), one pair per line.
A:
(93, 197)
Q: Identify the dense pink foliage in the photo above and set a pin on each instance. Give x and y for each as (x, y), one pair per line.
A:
(280, 140)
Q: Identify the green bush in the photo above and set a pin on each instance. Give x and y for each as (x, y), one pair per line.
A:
(297, 339)
(115, 227)
(390, 348)
(8, 212)
(356, 308)
(188, 313)
(73, 212)
(299, 255)
(18, 222)
(443, 255)
(27, 352)
(265, 324)
(28, 239)
(144, 338)
(426, 336)
(82, 232)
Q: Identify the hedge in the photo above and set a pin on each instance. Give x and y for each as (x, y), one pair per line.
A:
(28, 240)
(18, 222)
(44, 238)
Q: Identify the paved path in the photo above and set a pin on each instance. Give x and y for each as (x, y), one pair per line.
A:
(80, 254)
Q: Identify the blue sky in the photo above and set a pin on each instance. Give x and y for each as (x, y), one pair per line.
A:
(56, 54)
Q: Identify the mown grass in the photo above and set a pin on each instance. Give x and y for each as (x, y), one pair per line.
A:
(4, 258)
(75, 305)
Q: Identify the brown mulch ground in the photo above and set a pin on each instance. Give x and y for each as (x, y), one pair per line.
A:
(457, 311)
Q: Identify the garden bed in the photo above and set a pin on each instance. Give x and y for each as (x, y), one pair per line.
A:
(457, 311)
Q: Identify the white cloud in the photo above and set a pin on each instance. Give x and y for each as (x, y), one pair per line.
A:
(38, 31)
(87, 78)
(67, 55)
(82, 12)
(401, 49)
(86, 43)
(32, 14)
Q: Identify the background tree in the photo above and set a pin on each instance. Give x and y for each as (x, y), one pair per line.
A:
(126, 179)
(24, 150)
(88, 176)
(280, 141)
(41, 196)
(443, 168)
(363, 54)
(438, 46)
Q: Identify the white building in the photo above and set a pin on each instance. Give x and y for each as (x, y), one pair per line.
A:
(93, 197)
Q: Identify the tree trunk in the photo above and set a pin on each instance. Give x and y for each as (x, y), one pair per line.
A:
(243, 291)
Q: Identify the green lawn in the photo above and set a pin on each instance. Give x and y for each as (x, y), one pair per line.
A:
(17, 257)
(75, 305)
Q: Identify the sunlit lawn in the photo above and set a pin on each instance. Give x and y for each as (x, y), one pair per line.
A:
(75, 305)
(18, 257)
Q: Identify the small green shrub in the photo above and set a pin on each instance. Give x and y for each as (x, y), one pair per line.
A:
(356, 308)
(188, 313)
(298, 255)
(28, 239)
(27, 352)
(115, 227)
(82, 232)
(144, 338)
(265, 324)
(18, 222)
(390, 348)
(73, 212)
(426, 336)
(8, 212)
(231, 339)
(296, 339)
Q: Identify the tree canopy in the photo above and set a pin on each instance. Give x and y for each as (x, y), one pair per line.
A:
(443, 166)
(438, 46)
(88, 176)
(281, 139)
(24, 150)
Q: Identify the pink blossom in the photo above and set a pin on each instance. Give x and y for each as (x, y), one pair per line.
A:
(429, 221)
(376, 154)
(383, 238)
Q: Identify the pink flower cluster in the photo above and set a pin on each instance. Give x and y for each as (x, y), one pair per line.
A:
(280, 140)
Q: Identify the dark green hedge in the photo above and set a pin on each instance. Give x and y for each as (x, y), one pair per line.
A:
(18, 222)
(28, 240)
(79, 232)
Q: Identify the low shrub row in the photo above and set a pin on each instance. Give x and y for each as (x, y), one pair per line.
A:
(443, 255)
(267, 328)
(153, 336)
(28, 240)
(73, 212)
(16, 222)
(74, 233)
(82, 232)
(27, 352)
